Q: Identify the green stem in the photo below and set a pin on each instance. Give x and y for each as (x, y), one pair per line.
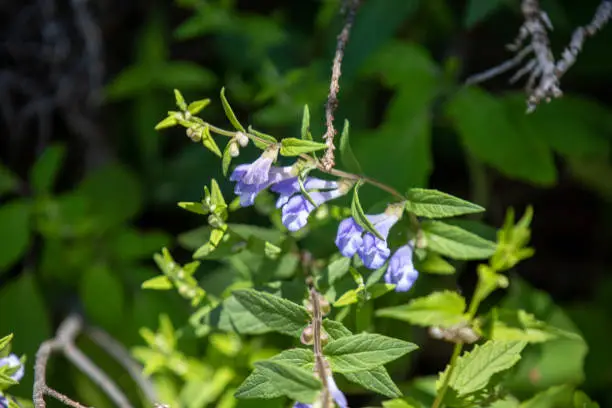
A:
(440, 397)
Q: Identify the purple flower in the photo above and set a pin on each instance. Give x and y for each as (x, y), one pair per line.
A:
(375, 251)
(401, 269)
(297, 209)
(245, 173)
(349, 237)
(335, 392)
(372, 250)
(290, 187)
(3, 402)
(13, 362)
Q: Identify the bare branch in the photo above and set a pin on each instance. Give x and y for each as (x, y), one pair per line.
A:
(543, 69)
(334, 85)
(123, 357)
(64, 342)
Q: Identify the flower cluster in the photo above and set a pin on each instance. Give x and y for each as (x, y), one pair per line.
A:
(252, 178)
(12, 361)
(335, 392)
(295, 207)
(374, 251)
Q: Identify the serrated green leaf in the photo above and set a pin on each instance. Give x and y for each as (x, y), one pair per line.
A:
(4, 341)
(406, 402)
(335, 329)
(358, 214)
(377, 380)
(436, 204)
(346, 153)
(292, 146)
(455, 242)
(435, 264)
(296, 383)
(157, 283)
(278, 314)
(364, 351)
(305, 130)
(258, 385)
(180, 101)
(444, 309)
(474, 369)
(167, 122)
(44, 172)
(209, 142)
(226, 160)
(196, 106)
(230, 113)
(15, 232)
(266, 140)
(197, 208)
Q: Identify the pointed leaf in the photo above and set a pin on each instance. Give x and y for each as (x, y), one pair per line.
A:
(346, 153)
(444, 309)
(436, 204)
(157, 283)
(4, 341)
(226, 160)
(292, 146)
(377, 380)
(455, 242)
(180, 101)
(305, 131)
(278, 314)
(209, 142)
(196, 106)
(474, 369)
(266, 140)
(435, 264)
(167, 122)
(358, 214)
(230, 113)
(296, 383)
(364, 351)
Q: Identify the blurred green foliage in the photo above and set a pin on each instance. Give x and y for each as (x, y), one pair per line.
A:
(89, 245)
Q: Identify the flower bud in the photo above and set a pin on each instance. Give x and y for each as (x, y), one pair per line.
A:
(214, 221)
(307, 336)
(242, 139)
(324, 304)
(194, 133)
(234, 151)
(324, 338)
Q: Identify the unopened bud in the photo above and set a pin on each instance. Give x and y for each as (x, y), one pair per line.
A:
(234, 151)
(194, 133)
(242, 139)
(324, 338)
(214, 221)
(324, 304)
(307, 337)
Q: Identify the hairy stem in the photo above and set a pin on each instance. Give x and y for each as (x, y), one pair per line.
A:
(334, 85)
(440, 397)
(317, 348)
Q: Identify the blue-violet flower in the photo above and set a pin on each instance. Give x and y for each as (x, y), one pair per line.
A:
(401, 270)
(13, 362)
(372, 250)
(296, 208)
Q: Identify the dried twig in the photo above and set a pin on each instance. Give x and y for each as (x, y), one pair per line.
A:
(542, 68)
(317, 348)
(123, 357)
(334, 85)
(64, 342)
